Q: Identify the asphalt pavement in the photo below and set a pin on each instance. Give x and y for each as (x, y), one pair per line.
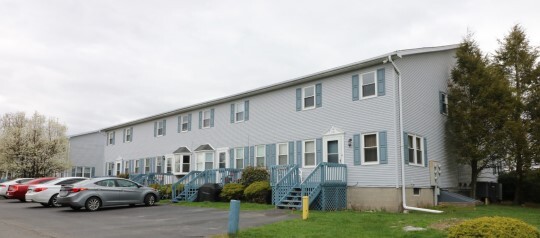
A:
(31, 220)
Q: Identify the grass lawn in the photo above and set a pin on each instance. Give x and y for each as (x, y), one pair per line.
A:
(244, 206)
(383, 224)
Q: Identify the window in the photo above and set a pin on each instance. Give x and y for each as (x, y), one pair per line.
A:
(416, 149)
(333, 151)
(160, 128)
(137, 166)
(110, 138)
(184, 123)
(79, 171)
(416, 191)
(239, 115)
(206, 119)
(169, 166)
(369, 85)
(126, 167)
(128, 133)
(309, 153)
(309, 97)
(185, 163)
(177, 164)
(159, 164)
(118, 168)
(110, 169)
(222, 160)
(106, 183)
(259, 156)
(370, 149)
(239, 158)
(87, 172)
(444, 103)
(282, 154)
(147, 165)
(126, 183)
(181, 163)
(208, 160)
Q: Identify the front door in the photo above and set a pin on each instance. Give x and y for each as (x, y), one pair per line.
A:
(333, 149)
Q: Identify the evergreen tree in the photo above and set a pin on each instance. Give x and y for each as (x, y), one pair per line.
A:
(516, 59)
(479, 104)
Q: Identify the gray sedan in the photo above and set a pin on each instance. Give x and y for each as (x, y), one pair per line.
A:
(103, 192)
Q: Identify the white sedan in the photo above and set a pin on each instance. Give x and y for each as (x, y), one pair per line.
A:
(5, 185)
(47, 193)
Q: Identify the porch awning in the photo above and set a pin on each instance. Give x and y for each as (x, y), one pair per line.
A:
(205, 147)
(182, 149)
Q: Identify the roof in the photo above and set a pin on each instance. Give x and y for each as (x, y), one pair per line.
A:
(205, 147)
(307, 78)
(182, 149)
(84, 133)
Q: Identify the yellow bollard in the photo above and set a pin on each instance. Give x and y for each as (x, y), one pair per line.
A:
(305, 207)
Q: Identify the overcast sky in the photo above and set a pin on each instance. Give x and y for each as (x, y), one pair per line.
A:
(94, 64)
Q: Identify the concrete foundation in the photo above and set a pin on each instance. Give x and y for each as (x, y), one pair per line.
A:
(387, 199)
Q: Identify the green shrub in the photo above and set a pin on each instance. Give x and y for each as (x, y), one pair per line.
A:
(258, 192)
(254, 174)
(124, 176)
(232, 191)
(493, 227)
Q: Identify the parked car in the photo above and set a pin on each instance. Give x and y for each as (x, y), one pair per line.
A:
(103, 192)
(4, 186)
(17, 191)
(47, 193)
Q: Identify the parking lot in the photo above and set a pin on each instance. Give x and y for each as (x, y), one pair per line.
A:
(31, 220)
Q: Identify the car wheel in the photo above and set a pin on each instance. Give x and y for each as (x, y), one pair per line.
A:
(54, 201)
(44, 204)
(75, 208)
(92, 204)
(149, 200)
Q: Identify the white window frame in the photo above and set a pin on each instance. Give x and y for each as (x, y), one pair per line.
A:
(110, 169)
(445, 103)
(256, 158)
(278, 151)
(237, 107)
(415, 149)
(110, 138)
(169, 163)
(239, 156)
(126, 167)
(363, 152)
(304, 98)
(361, 86)
(147, 163)
(204, 114)
(224, 151)
(128, 137)
(158, 128)
(118, 167)
(182, 122)
(137, 168)
(159, 161)
(304, 154)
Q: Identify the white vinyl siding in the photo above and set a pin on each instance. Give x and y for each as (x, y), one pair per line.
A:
(370, 148)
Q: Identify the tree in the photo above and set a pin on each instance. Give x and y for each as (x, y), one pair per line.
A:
(516, 59)
(33, 147)
(479, 104)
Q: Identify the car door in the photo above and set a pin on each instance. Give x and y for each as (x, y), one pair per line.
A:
(108, 191)
(129, 192)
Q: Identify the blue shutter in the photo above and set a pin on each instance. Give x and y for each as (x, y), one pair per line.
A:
(164, 127)
(141, 166)
(319, 151)
(383, 148)
(406, 147)
(189, 122)
(299, 153)
(124, 135)
(131, 163)
(131, 130)
(355, 89)
(232, 112)
(356, 149)
(291, 152)
(200, 119)
(425, 152)
(273, 154)
(93, 172)
(441, 102)
(212, 117)
(155, 128)
(380, 82)
(318, 95)
(153, 165)
(268, 156)
(246, 155)
(179, 124)
(252, 155)
(231, 158)
(113, 137)
(246, 110)
(298, 99)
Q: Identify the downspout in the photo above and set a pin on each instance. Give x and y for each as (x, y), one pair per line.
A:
(402, 145)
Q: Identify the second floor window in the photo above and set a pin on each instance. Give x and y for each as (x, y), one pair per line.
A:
(160, 128)
(368, 84)
(239, 116)
(128, 134)
(184, 123)
(110, 138)
(206, 119)
(443, 103)
(308, 97)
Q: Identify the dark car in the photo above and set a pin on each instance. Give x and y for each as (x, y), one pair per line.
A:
(103, 192)
(18, 191)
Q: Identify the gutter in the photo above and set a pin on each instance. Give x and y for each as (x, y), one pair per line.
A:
(402, 145)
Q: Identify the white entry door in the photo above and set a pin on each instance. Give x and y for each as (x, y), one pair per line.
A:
(333, 148)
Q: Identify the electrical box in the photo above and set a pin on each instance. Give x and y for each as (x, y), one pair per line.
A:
(434, 172)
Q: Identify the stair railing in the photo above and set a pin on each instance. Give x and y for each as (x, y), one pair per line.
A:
(323, 174)
(184, 180)
(283, 183)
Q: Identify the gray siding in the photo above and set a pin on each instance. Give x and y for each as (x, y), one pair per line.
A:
(424, 75)
(88, 150)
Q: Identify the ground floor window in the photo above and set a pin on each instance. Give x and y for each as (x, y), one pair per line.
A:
(260, 156)
(147, 165)
(182, 163)
(370, 147)
(416, 149)
(159, 164)
(169, 165)
(222, 160)
(137, 166)
(282, 154)
(239, 158)
(82, 171)
(309, 153)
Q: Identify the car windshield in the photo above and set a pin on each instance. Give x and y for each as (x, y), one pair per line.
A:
(51, 181)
